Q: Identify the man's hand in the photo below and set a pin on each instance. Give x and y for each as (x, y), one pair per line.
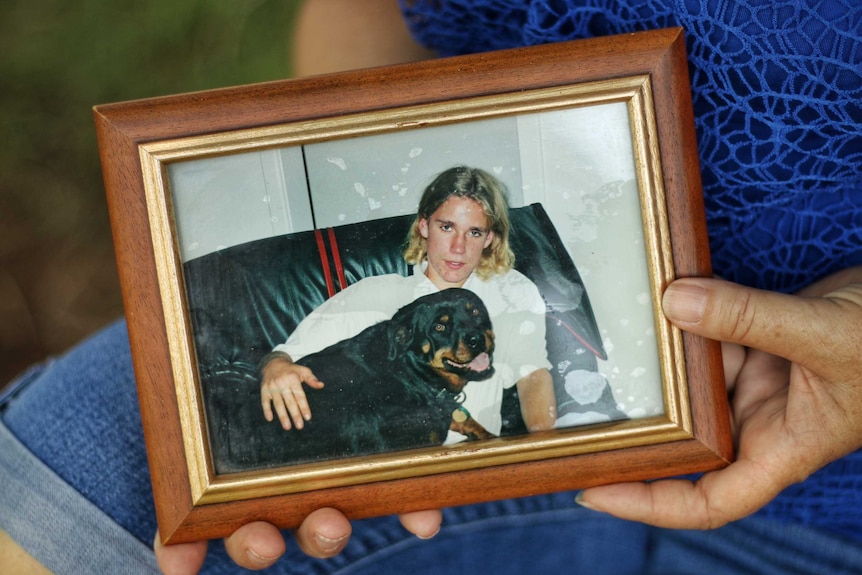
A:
(794, 375)
(281, 389)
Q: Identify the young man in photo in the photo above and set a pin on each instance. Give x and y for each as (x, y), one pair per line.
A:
(460, 238)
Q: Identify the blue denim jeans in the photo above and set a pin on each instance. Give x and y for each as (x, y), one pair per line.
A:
(76, 494)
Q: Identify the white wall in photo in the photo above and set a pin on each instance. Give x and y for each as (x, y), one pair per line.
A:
(229, 200)
(373, 177)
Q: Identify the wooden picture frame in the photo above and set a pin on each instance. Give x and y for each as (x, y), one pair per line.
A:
(142, 142)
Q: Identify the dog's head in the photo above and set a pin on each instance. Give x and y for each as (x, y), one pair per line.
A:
(451, 332)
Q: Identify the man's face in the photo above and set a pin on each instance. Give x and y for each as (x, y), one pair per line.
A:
(457, 233)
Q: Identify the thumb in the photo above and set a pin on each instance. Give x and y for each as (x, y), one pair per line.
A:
(780, 324)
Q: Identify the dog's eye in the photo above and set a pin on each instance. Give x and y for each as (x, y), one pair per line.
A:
(439, 327)
(475, 311)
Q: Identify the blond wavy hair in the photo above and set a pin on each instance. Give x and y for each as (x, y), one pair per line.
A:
(481, 187)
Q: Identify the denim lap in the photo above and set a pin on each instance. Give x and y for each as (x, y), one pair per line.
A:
(79, 416)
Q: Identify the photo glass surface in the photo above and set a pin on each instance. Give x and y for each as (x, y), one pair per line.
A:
(246, 231)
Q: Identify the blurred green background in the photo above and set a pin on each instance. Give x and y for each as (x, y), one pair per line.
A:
(58, 279)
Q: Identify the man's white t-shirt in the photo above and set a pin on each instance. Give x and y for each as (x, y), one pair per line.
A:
(514, 304)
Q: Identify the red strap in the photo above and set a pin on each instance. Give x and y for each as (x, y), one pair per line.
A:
(585, 343)
(336, 259)
(324, 263)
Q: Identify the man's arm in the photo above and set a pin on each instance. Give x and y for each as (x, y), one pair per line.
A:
(538, 402)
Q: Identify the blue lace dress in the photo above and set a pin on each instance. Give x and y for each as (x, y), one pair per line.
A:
(777, 93)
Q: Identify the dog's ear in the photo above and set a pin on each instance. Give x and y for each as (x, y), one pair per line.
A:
(407, 328)
(400, 338)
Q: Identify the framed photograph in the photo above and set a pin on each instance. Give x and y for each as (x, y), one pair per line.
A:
(272, 219)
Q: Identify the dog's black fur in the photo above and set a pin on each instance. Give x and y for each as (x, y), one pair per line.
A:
(394, 386)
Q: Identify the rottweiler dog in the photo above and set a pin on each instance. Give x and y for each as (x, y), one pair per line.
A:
(393, 386)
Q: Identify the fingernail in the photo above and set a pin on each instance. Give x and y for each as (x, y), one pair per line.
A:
(258, 559)
(427, 537)
(327, 544)
(684, 303)
(579, 499)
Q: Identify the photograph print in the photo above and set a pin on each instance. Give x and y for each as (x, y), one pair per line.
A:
(373, 269)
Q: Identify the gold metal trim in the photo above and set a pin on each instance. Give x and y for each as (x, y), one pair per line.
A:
(178, 328)
(659, 255)
(207, 487)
